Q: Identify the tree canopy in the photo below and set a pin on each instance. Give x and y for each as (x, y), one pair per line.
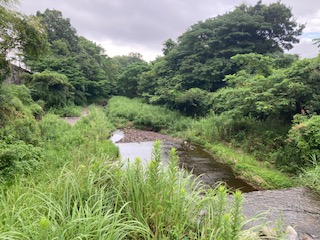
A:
(202, 56)
(84, 63)
(20, 35)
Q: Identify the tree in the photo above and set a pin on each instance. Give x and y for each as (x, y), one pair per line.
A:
(202, 56)
(168, 46)
(89, 70)
(20, 35)
(316, 41)
(124, 61)
(53, 88)
(59, 28)
(128, 81)
(248, 29)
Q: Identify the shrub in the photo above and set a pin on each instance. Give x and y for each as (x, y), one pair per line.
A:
(18, 158)
(53, 88)
(15, 102)
(193, 102)
(304, 138)
(21, 129)
(67, 111)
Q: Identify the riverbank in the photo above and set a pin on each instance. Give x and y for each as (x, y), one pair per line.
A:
(296, 207)
(124, 113)
(137, 135)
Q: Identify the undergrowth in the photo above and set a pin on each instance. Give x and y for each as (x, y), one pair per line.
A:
(96, 198)
(125, 112)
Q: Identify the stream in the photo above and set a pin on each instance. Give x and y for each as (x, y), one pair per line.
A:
(296, 207)
(194, 159)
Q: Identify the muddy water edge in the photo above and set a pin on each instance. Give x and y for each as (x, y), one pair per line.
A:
(193, 158)
(296, 207)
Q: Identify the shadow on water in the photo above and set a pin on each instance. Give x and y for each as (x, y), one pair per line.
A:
(200, 162)
(194, 159)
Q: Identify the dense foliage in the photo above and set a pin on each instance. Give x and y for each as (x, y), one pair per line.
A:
(227, 74)
(88, 69)
(66, 182)
(19, 34)
(203, 54)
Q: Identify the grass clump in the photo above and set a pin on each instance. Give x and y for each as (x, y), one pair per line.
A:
(67, 111)
(124, 111)
(260, 173)
(310, 176)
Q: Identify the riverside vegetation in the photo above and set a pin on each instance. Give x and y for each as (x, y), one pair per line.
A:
(65, 182)
(225, 84)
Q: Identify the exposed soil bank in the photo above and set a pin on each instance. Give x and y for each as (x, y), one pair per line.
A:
(136, 135)
(298, 207)
(72, 120)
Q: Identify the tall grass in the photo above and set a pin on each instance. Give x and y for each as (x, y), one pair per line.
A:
(310, 176)
(124, 111)
(67, 111)
(97, 199)
(262, 174)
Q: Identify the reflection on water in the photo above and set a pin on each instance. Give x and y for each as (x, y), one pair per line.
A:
(196, 160)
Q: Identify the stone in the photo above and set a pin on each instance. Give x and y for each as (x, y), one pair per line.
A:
(291, 234)
(307, 237)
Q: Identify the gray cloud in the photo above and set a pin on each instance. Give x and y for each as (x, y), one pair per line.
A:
(148, 23)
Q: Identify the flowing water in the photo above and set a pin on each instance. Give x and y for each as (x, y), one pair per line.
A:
(193, 158)
(297, 207)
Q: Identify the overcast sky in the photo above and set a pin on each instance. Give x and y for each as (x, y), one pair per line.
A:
(123, 26)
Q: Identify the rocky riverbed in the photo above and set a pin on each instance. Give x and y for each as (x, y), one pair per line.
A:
(136, 135)
(296, 207)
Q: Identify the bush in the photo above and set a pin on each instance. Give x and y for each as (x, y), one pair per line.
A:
(193, 102)
(52, 128)
(18, 158)
(304, 138)
(21, 129)
(67, 111)
(53, 88)
(16, 102)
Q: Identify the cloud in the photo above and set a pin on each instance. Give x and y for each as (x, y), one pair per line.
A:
(143, 25)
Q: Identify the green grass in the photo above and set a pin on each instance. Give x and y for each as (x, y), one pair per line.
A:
(67, 111)
(90, 198)
(81, 191)
(260, 173)
(310, 176)
(125, 112)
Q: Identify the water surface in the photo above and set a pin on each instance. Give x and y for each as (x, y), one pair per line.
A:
(194, 159)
